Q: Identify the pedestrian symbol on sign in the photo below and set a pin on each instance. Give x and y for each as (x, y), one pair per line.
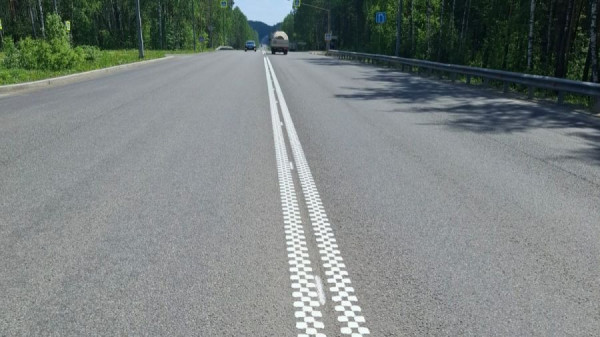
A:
(380, 17)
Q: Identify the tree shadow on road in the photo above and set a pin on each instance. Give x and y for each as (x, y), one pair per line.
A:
(476, 109)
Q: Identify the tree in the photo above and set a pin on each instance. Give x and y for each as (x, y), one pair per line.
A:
(42, 18)
(593, 49)
(441, 29)
(398, 27)
(530, 36)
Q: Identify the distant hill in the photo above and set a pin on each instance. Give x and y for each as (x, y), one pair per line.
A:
(263, 30)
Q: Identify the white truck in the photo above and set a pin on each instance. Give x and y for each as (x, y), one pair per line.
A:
(280, 42)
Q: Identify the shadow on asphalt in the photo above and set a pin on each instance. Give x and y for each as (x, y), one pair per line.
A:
(474, 109)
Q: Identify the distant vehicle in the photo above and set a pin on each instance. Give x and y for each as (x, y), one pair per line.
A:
(250, 44)
(280, 43)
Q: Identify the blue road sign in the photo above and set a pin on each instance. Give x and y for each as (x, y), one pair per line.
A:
(223, 4)
(380, 17)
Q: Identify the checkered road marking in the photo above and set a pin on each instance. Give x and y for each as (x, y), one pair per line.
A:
(304, 289)
(346, 303)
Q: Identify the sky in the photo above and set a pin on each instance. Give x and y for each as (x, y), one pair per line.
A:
(267, 11)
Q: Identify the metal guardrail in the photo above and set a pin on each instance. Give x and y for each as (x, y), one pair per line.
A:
(560, 85)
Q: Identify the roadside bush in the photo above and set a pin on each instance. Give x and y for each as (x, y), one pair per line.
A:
(62, 56)
(55, 53)
(55, 29)
(89, 53)
(11, 54)
(29, 53)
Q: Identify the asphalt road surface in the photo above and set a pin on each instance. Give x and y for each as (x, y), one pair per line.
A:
(250, 194)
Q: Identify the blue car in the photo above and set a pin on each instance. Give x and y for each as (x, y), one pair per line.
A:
(250, 44)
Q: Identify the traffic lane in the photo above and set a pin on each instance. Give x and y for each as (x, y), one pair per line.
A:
(171, 227)
(450, 230)
(35, 124)
(31, 119)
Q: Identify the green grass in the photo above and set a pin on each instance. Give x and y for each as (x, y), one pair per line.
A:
(107, 58)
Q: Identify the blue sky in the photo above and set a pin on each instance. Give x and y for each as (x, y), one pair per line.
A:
(267, 11)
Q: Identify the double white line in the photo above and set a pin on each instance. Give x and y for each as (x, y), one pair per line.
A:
(304, 287)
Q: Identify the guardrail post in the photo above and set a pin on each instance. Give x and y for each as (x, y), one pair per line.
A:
(468, 79)
(561, 97)
(402, 67)
(453, 76)
(505, 89)
(530, 92)
(486, 81)
(596, 107)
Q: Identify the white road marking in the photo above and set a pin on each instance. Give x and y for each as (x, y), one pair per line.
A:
(346, 303)
(304, 289)
(320, 290)
(291, 166)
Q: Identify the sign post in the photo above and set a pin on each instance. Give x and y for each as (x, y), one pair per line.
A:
(194, 25)
(380, 18)
(139, 27)
(328, 18)
(223, 5)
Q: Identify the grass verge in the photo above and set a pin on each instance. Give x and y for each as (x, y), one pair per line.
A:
(106, 58)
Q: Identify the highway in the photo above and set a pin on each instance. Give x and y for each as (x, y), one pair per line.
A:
(247, 194)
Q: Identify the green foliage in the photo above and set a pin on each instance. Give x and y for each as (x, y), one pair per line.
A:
(29, 53)
(106, 58)
(111, 24)
(55, 29)
(54, 54)
(485, 33)
(11, 54)
(89, 53)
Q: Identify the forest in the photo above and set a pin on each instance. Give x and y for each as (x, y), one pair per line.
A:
(547, 37)
(111, 24)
